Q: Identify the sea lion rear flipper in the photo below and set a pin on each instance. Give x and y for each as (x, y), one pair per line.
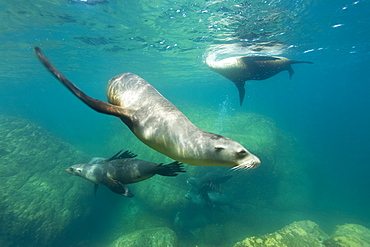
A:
(170, 169)
(241, 89)
(97, 105)
(203, 193)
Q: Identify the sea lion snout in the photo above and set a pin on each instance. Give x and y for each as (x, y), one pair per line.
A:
(252, 162)
(69, 170)
(74, 170)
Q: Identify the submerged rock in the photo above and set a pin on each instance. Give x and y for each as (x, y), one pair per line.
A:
(38, 199)
(349, 235)
(164, 195)
(301, 233)
(154, 237)
(308, 233)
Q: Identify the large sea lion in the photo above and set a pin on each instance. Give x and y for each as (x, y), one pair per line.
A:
(244, 68)
(122, 169)
(159, 124)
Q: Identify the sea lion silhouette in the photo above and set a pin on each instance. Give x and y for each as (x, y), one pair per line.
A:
(209, 182)
(215, 200)
(245, 68)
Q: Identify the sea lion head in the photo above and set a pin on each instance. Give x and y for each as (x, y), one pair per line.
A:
(76, 170)
(91, 172)
(230, 151)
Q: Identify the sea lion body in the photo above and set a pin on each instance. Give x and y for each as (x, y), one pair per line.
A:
(216, 200)
(244, 68)
(116, 172)
(159, 124)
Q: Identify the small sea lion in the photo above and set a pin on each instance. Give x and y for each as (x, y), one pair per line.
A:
(244, 68)
(159, 124)
(122, 169)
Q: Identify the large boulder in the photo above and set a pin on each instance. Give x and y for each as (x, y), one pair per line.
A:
(301, 233)
(154, 237)
(349, 235)
(38, 199)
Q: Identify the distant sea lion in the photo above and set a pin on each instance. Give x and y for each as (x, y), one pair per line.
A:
(209, 181)
(216, 200)
(122, 169)
(241, 69)
(159, 124)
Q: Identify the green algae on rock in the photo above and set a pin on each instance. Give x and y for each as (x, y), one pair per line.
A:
(163, 195)
(301, 233)
(349, 235)
(154, 237)
(38, 200)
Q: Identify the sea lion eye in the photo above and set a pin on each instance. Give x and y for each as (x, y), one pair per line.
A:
(242, 153)
(78, 170)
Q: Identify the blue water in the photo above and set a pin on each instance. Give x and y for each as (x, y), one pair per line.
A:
(325, 106)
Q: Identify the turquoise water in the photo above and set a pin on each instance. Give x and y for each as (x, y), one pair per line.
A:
(324, 107)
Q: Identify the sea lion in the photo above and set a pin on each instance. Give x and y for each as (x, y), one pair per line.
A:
(244, 68)
(121, 169)
(159, 124)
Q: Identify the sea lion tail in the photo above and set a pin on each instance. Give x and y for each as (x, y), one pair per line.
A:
(97, 105)
(170, 169)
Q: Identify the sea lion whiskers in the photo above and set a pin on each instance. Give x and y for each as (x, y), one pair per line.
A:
(246, 166)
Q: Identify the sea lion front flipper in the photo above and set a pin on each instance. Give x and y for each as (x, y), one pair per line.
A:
(291, 72)
(96, 186)
(241, 89)
(119, 188)
(122, 190)
(97, 105)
